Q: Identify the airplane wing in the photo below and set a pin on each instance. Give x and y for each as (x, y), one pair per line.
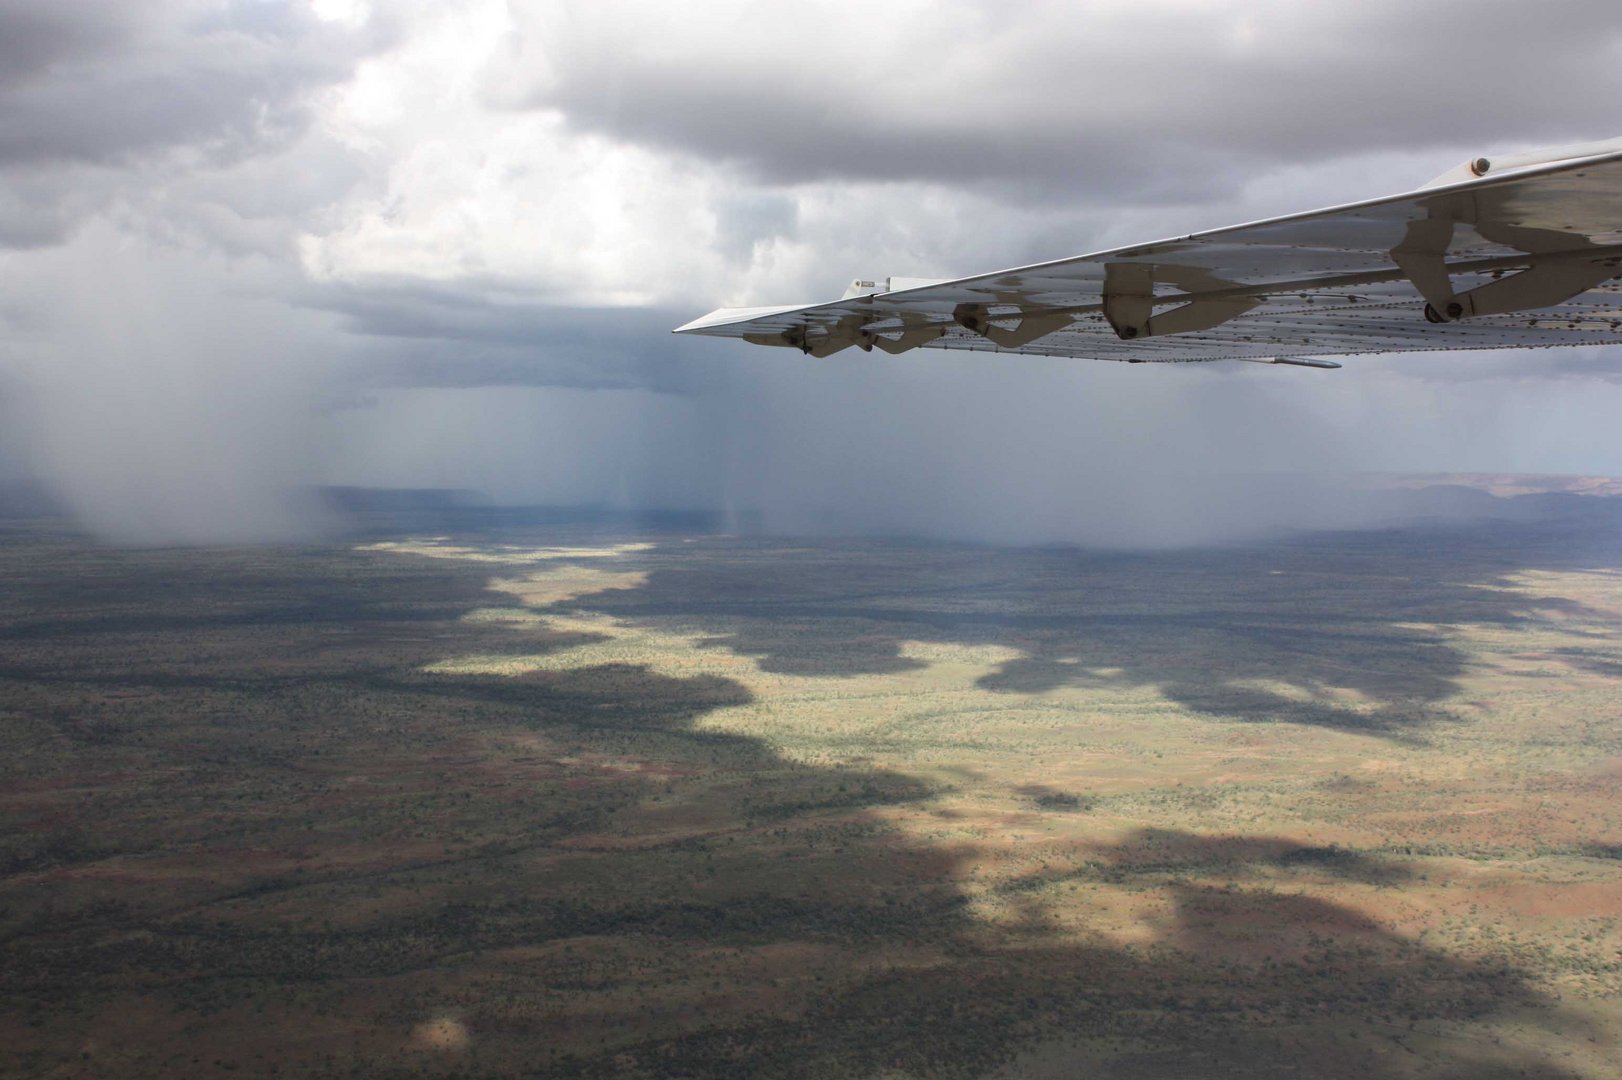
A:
(1518, 253)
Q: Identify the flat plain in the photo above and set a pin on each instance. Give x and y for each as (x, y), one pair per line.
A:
(559, 800)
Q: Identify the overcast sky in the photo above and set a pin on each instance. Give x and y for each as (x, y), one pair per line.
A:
(248, 247)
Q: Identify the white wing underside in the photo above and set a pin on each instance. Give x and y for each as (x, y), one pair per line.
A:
(1521, 260)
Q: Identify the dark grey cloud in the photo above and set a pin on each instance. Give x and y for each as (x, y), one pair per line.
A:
(1149, 102)
(472, 336)
(90, 88)
(39, 206)
(110, 87)
(37, 36)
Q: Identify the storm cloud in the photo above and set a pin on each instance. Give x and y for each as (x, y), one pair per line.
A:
(250, 247)
(1166, 100)
(92, 92)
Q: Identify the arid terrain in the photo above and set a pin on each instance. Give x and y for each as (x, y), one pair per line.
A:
(574, 801)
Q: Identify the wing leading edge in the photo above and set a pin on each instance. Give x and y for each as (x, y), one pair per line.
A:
(1521, 256)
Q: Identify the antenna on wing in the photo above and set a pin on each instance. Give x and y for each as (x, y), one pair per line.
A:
(1479, 167)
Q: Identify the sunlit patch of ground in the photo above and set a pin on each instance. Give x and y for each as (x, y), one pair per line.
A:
(672, 654)
(560, 587)
(512, 555)
(443, 1033)
(982, 658)
(1343, 697)
(505, 616)
(1132, 755)
(547, 596)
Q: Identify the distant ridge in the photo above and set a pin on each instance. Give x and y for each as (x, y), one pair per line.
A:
(384, 510)
(361, 500)
(1504, 485)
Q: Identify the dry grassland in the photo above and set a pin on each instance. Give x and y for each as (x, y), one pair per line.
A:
(570, 804)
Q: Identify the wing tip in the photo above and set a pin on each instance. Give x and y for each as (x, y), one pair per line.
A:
(731, 316)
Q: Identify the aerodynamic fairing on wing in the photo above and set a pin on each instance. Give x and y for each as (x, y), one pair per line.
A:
(1518, 252)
